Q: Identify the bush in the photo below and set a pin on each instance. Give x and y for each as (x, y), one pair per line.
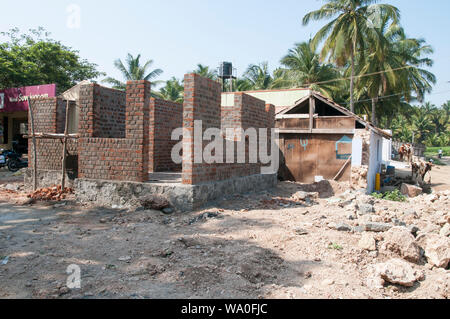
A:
(394, 196)
(433, 151)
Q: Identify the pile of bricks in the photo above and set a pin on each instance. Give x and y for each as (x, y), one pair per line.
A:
(51, 193)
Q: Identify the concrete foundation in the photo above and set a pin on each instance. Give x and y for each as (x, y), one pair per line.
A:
(48, 178)
(181, 197)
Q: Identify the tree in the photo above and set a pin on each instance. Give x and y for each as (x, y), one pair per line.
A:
(303, 68)
(421, 124)
(172, 91)
(206, 72)
(346, 34)
(35, 58)
(133, 71)
(259, 76)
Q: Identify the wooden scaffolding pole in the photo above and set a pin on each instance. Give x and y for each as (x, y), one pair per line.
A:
(64, 155)
(30, 112)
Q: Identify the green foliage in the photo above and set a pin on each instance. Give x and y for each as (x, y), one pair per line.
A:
(429, 124)
(205, 71)
(133, 70)
(303, 68)
(259, 77)
(172, 91)
(34, 58)
(394, 196)
(435, 151)
(335, 246)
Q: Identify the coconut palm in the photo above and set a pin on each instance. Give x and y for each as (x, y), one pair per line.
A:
(172, 91)
(421, 124)
(346, 33)
(259, 76)
(303, 68)
(417, 81)
(133, 70)
(206, 72)
(379, 62)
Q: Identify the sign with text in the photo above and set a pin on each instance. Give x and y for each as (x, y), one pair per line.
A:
(15, 99)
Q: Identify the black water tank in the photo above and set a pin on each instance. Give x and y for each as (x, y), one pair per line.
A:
(226, 70)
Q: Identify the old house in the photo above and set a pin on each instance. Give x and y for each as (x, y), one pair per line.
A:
(321, 140)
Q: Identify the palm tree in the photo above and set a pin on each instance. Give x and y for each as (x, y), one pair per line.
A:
(421, 124)
(346, 33)
(172, 91)
(133, 71)
(206, 72)
(416, 80)
(379, 62)
(259, 76)
(303, 68)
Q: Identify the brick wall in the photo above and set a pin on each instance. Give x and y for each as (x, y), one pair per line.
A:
(109, 110)
(49, 117)
(165, 116)
(202, 102)
(115, 158)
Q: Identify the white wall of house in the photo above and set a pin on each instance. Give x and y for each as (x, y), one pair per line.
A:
(387, 149)
(357, 147)
(376, 159)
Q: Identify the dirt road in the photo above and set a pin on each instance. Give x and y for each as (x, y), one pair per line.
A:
(257, 246)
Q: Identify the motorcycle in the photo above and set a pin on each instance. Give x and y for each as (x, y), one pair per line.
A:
(12, 160)
(15, 162)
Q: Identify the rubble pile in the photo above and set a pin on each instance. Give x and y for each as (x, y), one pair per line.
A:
(55, 193)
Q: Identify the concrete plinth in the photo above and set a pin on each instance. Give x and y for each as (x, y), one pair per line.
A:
(181, 197)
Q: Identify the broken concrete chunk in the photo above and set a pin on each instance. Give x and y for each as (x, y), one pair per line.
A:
(400, 241)
(377, 227)
(445, 231)
(410, 190)
(437, 250)
(343, 227)
(301, 231)
(395, 271)
(367, 242)
(366, 209)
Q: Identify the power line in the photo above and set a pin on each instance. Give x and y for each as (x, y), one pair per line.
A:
(392, 95)
(361, 76)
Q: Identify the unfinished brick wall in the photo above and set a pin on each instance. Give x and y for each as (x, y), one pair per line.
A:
(109, 110)
(49, 117)
(165, 116)
(124, 159)
(203, 102)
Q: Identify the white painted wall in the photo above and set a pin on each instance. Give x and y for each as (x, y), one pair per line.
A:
(387, 149)
(357, 146)
(376, 159)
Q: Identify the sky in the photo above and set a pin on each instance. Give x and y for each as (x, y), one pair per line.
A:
(179, 34)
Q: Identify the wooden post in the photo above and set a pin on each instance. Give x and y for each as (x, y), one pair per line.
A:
(66, 129)
(30, 112)
(312, 111)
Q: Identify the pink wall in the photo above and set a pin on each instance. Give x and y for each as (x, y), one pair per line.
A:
(14, 99)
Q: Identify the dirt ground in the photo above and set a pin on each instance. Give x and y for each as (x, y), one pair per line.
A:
(262, 245)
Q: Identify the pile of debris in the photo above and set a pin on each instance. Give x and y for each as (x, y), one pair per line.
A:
(55, 193)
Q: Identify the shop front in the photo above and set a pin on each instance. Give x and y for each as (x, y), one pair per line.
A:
(14, 114)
